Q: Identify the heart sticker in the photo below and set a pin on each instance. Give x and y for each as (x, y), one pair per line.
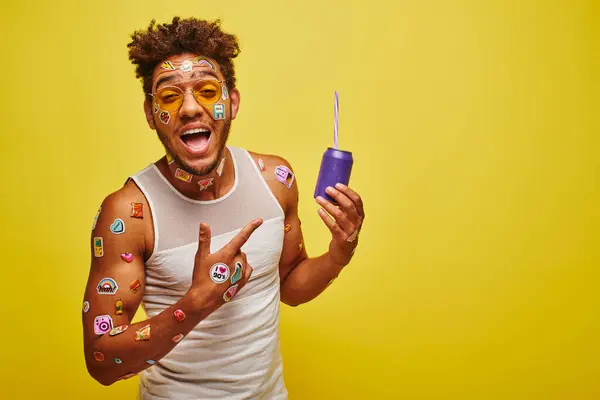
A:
(118, 226)
(219, 273)
(127, 257)
(222, 270)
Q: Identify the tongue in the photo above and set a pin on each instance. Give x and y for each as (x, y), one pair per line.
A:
(197, 141)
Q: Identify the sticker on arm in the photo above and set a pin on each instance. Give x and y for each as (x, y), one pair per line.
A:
(284, 175)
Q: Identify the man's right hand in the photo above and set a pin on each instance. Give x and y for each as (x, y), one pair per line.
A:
(219, 276)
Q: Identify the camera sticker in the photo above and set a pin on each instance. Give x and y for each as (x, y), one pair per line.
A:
(118, 226)
(98, 247)
(218, 111)
(204, 183)
(177, 338)
(118, 360)
(219, 273)
(86, 306)
(205, 62)
(179, 315)
(102, 324)
(128, 257)
(220, 167)
(183, 176)
(107, 286)
(164, 117)
(284, 175)
(98, 356)
(119, 307)
(96, 218)
(186, 66)
(261, 164)
(142, 334)
(117, 330)
(135, 286)
(137, 210)
(237, 275)
(228, 295)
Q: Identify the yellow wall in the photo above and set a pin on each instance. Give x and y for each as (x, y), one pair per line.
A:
(474, 129)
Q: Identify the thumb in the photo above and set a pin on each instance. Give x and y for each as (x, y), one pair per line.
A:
(204, 240)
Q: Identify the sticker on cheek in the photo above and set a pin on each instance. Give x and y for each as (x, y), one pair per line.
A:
(186, 66)
(128, 257)
(205, 183)
(220, 167)
(142, 334)
(137, 210)
(164, 117)
(156, 108)
(228, 295)
(86, 306)
(284, 175)
(102, 324)
(177, 338)
(107, 286)
(183, 176)
(237, 275)
(204, 62)
(168, 65)
(118, 226)
(219, 273)
(96, 218)
(224, 92)
(119, 307)
(98, 356)
(218, 111)
(135, 286)
(118, 330)
(98, 247)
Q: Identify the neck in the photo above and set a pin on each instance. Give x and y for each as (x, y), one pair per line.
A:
(205, 187)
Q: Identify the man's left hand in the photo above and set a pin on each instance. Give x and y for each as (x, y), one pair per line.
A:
(345, 224)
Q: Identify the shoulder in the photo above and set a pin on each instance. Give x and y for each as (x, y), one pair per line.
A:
(268, 165)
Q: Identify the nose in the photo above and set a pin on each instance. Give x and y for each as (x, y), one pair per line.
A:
(190, 107)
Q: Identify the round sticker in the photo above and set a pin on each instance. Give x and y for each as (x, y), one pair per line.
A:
(219, 273)
(86, 306)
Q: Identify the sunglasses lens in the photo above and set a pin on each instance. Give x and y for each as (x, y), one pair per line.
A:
(207, 91)
(169, 99)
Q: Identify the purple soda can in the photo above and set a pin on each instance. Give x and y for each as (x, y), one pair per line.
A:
(336, 166)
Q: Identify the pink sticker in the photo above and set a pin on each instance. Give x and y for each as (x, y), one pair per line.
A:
(177, 338)
(127, 257)
(102, 324)
(230, 293)
(261, 164)
(284, 175)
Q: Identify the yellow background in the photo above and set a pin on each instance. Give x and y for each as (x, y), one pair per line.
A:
(474, 130)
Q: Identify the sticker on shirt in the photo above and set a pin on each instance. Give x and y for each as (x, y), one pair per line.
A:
(137, 210)
(204, 183)
(119, 307)
(142, 334)
(102, 324)
(179, 315)
(177, 338)
(284, 175)
(135, 286)
(218, 111)
(98, 247)
(118, 226)
(228, 295)
(118, 330)
(128, 257)
(183, 175)
(219, 273)
(86, 306)
(96, 218)
(237, 275)
(98, 356)
(107, 286)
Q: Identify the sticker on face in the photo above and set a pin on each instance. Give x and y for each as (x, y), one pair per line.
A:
(119, 307)
(204, 62)
(98, 247)
(86, 306)
(237, 275)
(261, 164)
(179, 315)
(118, 330)
(137, 210)
(128, 257)
(135, 286)
(98, 356)
(204, 183)
(224, 92)
(107, 286)
(220, 167)
(284, 175)
(218, 111)
(219, 273)
(169, 158)
(118, 226)
(177, 338)
(96, 218)
(228, 295)
(168, 65)
(102, 324)
(142, 334)
(183, 176)
(186, 66)
(156, 108)
(164, 117)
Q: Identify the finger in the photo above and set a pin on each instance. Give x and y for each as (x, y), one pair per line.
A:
(242, 237)
(345, 204)
(354, 197)
(248, 272)
(334, 228)
(339, 215)
(203, 241)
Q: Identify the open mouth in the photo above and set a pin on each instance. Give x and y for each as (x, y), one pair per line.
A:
(196, 140)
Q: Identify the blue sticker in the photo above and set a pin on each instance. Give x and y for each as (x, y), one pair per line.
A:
(237, 275)
(219, 111)
(118, 360)
(118, 226)
(151, 362)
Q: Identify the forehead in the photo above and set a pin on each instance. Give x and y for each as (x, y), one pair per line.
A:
(192, 63)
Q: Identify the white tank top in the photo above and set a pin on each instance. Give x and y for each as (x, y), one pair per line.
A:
(234, 353)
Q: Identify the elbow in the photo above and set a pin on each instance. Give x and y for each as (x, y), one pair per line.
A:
(100, 375)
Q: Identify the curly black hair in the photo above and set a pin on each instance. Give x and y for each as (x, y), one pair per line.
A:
(158, 42)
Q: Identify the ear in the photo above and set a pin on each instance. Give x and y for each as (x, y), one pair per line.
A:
(234, 97)
(149, 114)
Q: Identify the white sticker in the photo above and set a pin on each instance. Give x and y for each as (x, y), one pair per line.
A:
(219, 273)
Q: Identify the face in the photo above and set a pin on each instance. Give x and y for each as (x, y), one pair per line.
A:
(191, 110)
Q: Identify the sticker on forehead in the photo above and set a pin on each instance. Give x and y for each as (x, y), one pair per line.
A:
(186, 66)
(168, 66)
(219, 111)
(165, 117)
(204, 62)
(284, 175)
(225, 93)
(156, 108)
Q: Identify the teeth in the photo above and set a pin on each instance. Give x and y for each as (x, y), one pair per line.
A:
(189, 132)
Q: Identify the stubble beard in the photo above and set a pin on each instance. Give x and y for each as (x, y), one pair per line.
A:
(186, 167)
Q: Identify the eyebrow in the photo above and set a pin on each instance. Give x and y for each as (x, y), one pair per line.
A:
(194, 74)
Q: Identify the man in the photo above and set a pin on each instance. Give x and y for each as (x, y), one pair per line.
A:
(207, 237)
